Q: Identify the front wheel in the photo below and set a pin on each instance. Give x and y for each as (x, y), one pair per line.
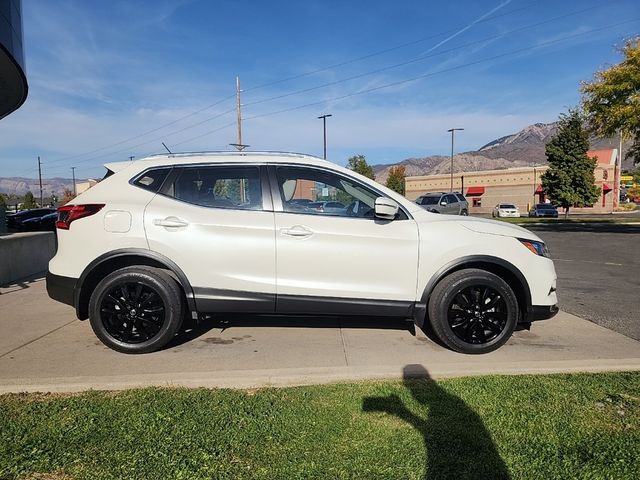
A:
(473, 311)
(136, 309)
(464, 212)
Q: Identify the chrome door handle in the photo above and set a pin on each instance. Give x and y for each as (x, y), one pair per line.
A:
(296, 231)
(170, 222)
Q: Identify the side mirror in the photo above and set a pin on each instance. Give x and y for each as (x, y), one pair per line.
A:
(444, 204)
(386, 208)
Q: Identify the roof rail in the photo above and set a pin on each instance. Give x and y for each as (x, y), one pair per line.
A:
(234, 154)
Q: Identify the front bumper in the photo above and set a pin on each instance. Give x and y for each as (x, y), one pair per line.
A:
(541, 312)
(61, 288)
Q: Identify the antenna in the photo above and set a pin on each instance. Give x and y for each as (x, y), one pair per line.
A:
(167, 148)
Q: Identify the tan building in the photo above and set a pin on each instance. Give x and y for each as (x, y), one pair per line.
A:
(82, 187)
(520, 186)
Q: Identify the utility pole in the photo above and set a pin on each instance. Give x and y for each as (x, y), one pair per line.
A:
(73, 173)
(324, 130)
(452, 130)
(616, 176)
(40, 177)
(239, 145)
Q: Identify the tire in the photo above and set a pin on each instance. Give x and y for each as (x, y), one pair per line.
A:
(136, 309)
(458, 318)
(464, 212)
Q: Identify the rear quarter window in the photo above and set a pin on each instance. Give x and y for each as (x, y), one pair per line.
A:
(151, 179)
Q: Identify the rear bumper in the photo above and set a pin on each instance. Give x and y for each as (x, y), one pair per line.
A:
(61, 288)
(541, 312)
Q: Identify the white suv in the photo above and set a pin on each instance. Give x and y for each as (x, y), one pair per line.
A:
(177, 236)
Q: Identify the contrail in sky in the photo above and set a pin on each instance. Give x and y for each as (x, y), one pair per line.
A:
(464, 29)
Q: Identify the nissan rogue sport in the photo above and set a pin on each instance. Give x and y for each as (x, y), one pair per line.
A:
(177, 236)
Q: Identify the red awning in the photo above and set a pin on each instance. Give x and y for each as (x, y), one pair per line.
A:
(606, 187)
(475, 190)
(539, 189)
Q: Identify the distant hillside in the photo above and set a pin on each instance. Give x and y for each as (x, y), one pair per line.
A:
(21, 185)
(520, 149)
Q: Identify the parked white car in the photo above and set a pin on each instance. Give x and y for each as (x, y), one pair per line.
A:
(505, 210)
(182, 235)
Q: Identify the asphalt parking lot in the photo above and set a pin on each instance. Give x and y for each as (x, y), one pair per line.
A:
(598, 268)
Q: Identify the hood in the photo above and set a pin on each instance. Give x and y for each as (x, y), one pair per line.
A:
(489, 227)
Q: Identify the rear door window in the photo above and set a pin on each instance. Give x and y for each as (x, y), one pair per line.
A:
(233, 187)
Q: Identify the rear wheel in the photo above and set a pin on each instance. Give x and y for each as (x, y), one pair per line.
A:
(473, 311)
(136, 309)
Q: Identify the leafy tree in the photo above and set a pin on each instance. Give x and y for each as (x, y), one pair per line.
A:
(359, 164)
(67, 196)
(612, 100)
(29, 202)
(3, 201)
(395, 180)
(570, 180)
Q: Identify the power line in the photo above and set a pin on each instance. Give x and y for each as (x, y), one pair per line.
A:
(430, 74)
(421, 57)
(420, 77)
(340, 64)
(366, 90)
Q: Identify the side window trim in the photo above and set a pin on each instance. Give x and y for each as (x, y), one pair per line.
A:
(277, 198)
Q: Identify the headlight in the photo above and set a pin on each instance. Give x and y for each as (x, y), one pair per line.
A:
(539, 248)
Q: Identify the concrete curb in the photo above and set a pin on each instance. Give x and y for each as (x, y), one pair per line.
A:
(244, 379)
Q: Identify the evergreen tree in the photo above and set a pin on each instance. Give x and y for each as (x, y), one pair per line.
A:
(359, 164)
(570, 180)
(3, 201)
(29, 201)
(395, 180)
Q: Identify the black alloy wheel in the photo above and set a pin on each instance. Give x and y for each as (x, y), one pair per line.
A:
(132, 312)
(473, 311)
(137, 309)
(477, 314)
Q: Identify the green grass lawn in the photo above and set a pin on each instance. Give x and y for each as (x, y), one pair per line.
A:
(538, 427)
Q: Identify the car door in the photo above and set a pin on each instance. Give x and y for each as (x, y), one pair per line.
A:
(216, 223)
(343, 260)
(453, 206)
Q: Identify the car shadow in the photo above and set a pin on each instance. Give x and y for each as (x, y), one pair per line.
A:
(192, 329)
(457, 443)
(21, 284)
(584, 227)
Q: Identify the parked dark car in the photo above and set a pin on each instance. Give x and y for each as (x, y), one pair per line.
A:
(46, 223)
(15, 221)
(543, 210)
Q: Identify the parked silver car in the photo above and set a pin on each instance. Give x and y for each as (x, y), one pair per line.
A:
(441, 202)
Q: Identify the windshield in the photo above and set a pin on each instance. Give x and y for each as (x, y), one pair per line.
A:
(506, 205)
(429, 200)
(545, 206)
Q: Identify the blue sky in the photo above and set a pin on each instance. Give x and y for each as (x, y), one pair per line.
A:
(112, 79)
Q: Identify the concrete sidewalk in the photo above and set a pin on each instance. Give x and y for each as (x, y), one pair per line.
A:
(44, 348)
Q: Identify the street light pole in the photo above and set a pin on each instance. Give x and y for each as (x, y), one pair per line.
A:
(324, 130)
(452, 130)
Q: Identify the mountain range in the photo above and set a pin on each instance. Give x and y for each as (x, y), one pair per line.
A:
(524, 148)
(521, 149)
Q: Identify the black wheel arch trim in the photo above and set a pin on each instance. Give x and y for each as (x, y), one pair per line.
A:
(476, 261)
(171, 266)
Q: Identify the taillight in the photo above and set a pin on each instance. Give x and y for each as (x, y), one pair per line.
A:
(69, 213)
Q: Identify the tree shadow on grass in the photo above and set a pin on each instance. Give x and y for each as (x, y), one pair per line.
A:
(457, 444)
